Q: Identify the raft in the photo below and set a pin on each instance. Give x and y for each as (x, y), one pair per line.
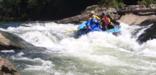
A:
(82, 31)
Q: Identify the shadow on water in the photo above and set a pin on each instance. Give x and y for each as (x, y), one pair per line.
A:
(15, 24)
(32, 52)
(7, 54)
(22, 57)
(5, 25)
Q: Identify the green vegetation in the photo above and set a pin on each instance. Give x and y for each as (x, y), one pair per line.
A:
(40, 9)
(147, 2)
(112, 3)
(121, 3)
(20, 9)
(54, 9)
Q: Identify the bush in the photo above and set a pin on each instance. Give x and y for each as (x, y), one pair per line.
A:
(112, 3)
(147, 2)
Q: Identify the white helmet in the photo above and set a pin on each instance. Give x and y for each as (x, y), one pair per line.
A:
(92, 12)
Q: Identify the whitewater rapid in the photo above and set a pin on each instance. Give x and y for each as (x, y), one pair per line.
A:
(96, 53)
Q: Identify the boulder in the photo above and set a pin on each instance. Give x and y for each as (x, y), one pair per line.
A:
(12, 41)
(134, 19)
(7, 68)
(149, 33)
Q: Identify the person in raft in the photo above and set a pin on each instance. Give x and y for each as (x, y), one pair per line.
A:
(93, 23)
(107, 22)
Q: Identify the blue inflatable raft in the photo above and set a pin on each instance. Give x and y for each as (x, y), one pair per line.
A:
(114, 30)
(82, 29)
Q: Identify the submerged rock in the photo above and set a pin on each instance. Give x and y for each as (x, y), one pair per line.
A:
(12, 41)
(7, 68)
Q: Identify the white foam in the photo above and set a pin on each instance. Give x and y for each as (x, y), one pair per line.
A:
(98, 47)
(7, 51)
(44, 66)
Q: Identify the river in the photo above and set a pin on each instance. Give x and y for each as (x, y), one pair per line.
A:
(97, 53)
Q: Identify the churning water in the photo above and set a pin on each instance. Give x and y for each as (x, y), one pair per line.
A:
(96, 53)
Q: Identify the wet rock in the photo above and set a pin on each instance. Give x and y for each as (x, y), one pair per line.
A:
(12, 41)
(7, 68)
(149, 33)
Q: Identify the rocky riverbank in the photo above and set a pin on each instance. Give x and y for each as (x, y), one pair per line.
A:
(133, 19)
(130, 18)
(84, 15)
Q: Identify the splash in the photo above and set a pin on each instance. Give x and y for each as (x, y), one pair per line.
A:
(96, 53)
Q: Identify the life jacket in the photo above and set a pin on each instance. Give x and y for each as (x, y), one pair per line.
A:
(106, 20)
(97, 17)
(94, 24)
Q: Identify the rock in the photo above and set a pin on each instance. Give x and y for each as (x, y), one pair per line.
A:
(134, 19)
(12, 41)
(7, 68)
(149, 33)
(84, 15)
(142, 20)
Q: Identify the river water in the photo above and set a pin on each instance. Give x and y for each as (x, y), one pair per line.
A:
(97, 53)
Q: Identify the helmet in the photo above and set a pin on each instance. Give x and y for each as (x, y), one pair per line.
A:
(92, 12)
